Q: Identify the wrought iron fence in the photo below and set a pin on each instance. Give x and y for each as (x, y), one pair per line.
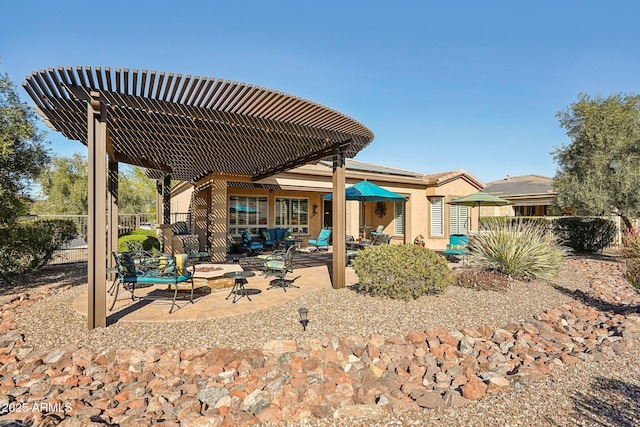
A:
(76, 250)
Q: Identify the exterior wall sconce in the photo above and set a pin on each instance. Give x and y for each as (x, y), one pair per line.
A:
(304, 321)
(315, 210)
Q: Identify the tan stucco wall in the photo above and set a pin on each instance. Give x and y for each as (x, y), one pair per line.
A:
(450, 190)
(313, 181)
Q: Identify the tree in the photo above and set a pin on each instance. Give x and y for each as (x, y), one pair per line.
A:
(64, 187)
(23, 152)
(599, 171)
(136, 192)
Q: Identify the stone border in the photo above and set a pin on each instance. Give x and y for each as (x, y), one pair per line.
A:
(285, 380)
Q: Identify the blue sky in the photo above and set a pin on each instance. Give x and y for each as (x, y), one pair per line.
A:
(471, 85)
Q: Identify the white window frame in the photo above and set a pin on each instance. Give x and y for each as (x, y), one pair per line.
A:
(436, 210)
(398, 218)
(299, 226)
(458, 223)
(255, 227)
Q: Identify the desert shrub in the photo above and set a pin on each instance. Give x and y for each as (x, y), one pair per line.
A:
(29, 245)
(631, 254)
(517, 249)
(147, 238)
(585, 234)
(540, 221)
(481, 280)
(401, 271)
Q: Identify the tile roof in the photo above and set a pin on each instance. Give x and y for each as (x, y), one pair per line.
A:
(521, 185)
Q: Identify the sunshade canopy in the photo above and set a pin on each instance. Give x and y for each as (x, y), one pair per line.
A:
(191, 126)
(366, 191)
(480, 199)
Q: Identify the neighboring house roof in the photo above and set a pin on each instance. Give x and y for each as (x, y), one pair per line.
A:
(444, 177)
(519, 186)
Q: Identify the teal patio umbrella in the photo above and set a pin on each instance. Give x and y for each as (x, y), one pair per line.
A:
(480, 199)
(365, 191)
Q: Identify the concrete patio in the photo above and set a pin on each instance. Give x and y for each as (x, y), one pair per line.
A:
(313, 269)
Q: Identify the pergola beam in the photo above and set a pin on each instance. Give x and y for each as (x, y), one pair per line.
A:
(340, 147)
(185, 128)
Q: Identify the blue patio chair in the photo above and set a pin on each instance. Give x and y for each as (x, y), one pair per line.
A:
(279, 268)
(458, 245)
(322, 241)
(250, 245)
(269, 236)
(375, 234)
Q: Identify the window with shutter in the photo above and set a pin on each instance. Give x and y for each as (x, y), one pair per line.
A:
(458, 219)
(398, 216)
(437, 216)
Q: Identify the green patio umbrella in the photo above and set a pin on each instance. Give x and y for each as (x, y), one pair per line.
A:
(480, 199)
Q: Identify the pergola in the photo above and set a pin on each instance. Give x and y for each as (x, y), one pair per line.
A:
(185, 128)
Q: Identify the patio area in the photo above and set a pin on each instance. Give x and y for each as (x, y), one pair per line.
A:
(210, 303)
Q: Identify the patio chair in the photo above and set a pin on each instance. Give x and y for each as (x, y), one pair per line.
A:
(322, 241)
(250, 245)
(269, 237)
(191, 246)
(382, 239)
(375, 234)
(279, 268)
(458, 245)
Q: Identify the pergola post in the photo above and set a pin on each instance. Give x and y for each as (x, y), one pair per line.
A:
(339, 221)
(112, 212)
(97, 227)
(159, 208)
(166, 200)
(218, 220)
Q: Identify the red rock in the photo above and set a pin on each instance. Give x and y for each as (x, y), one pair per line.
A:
(416, 337)
(270, 415)
(193, 353)
(474, 390)
(204, 421)
(497, 384)
(279, 347)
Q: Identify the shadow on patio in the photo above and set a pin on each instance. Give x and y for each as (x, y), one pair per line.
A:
(313, 269)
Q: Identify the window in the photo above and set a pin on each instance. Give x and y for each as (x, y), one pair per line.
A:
(437, 216)
(458, 219)
(247, 213)
(525, 210)
(293, 214)
(398, 217)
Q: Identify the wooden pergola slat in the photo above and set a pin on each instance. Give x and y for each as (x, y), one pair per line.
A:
(185, 128)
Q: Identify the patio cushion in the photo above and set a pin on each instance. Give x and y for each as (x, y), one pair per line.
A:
(274, 265)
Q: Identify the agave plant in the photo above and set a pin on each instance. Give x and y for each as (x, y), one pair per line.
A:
(517, 249)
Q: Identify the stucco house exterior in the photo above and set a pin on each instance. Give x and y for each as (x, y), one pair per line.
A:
(293, 199)
(532, 195)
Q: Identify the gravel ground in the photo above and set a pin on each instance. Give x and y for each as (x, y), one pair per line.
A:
(53, 322)
(587, 394)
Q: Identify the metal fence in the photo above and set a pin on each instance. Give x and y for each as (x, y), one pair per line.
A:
(76, 250)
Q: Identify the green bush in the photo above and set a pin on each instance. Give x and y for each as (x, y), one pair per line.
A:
(29, 245)
(481, 280)
(147, 238)
(585, 234)
(401, 271)
(517, 249)
(631, 254)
